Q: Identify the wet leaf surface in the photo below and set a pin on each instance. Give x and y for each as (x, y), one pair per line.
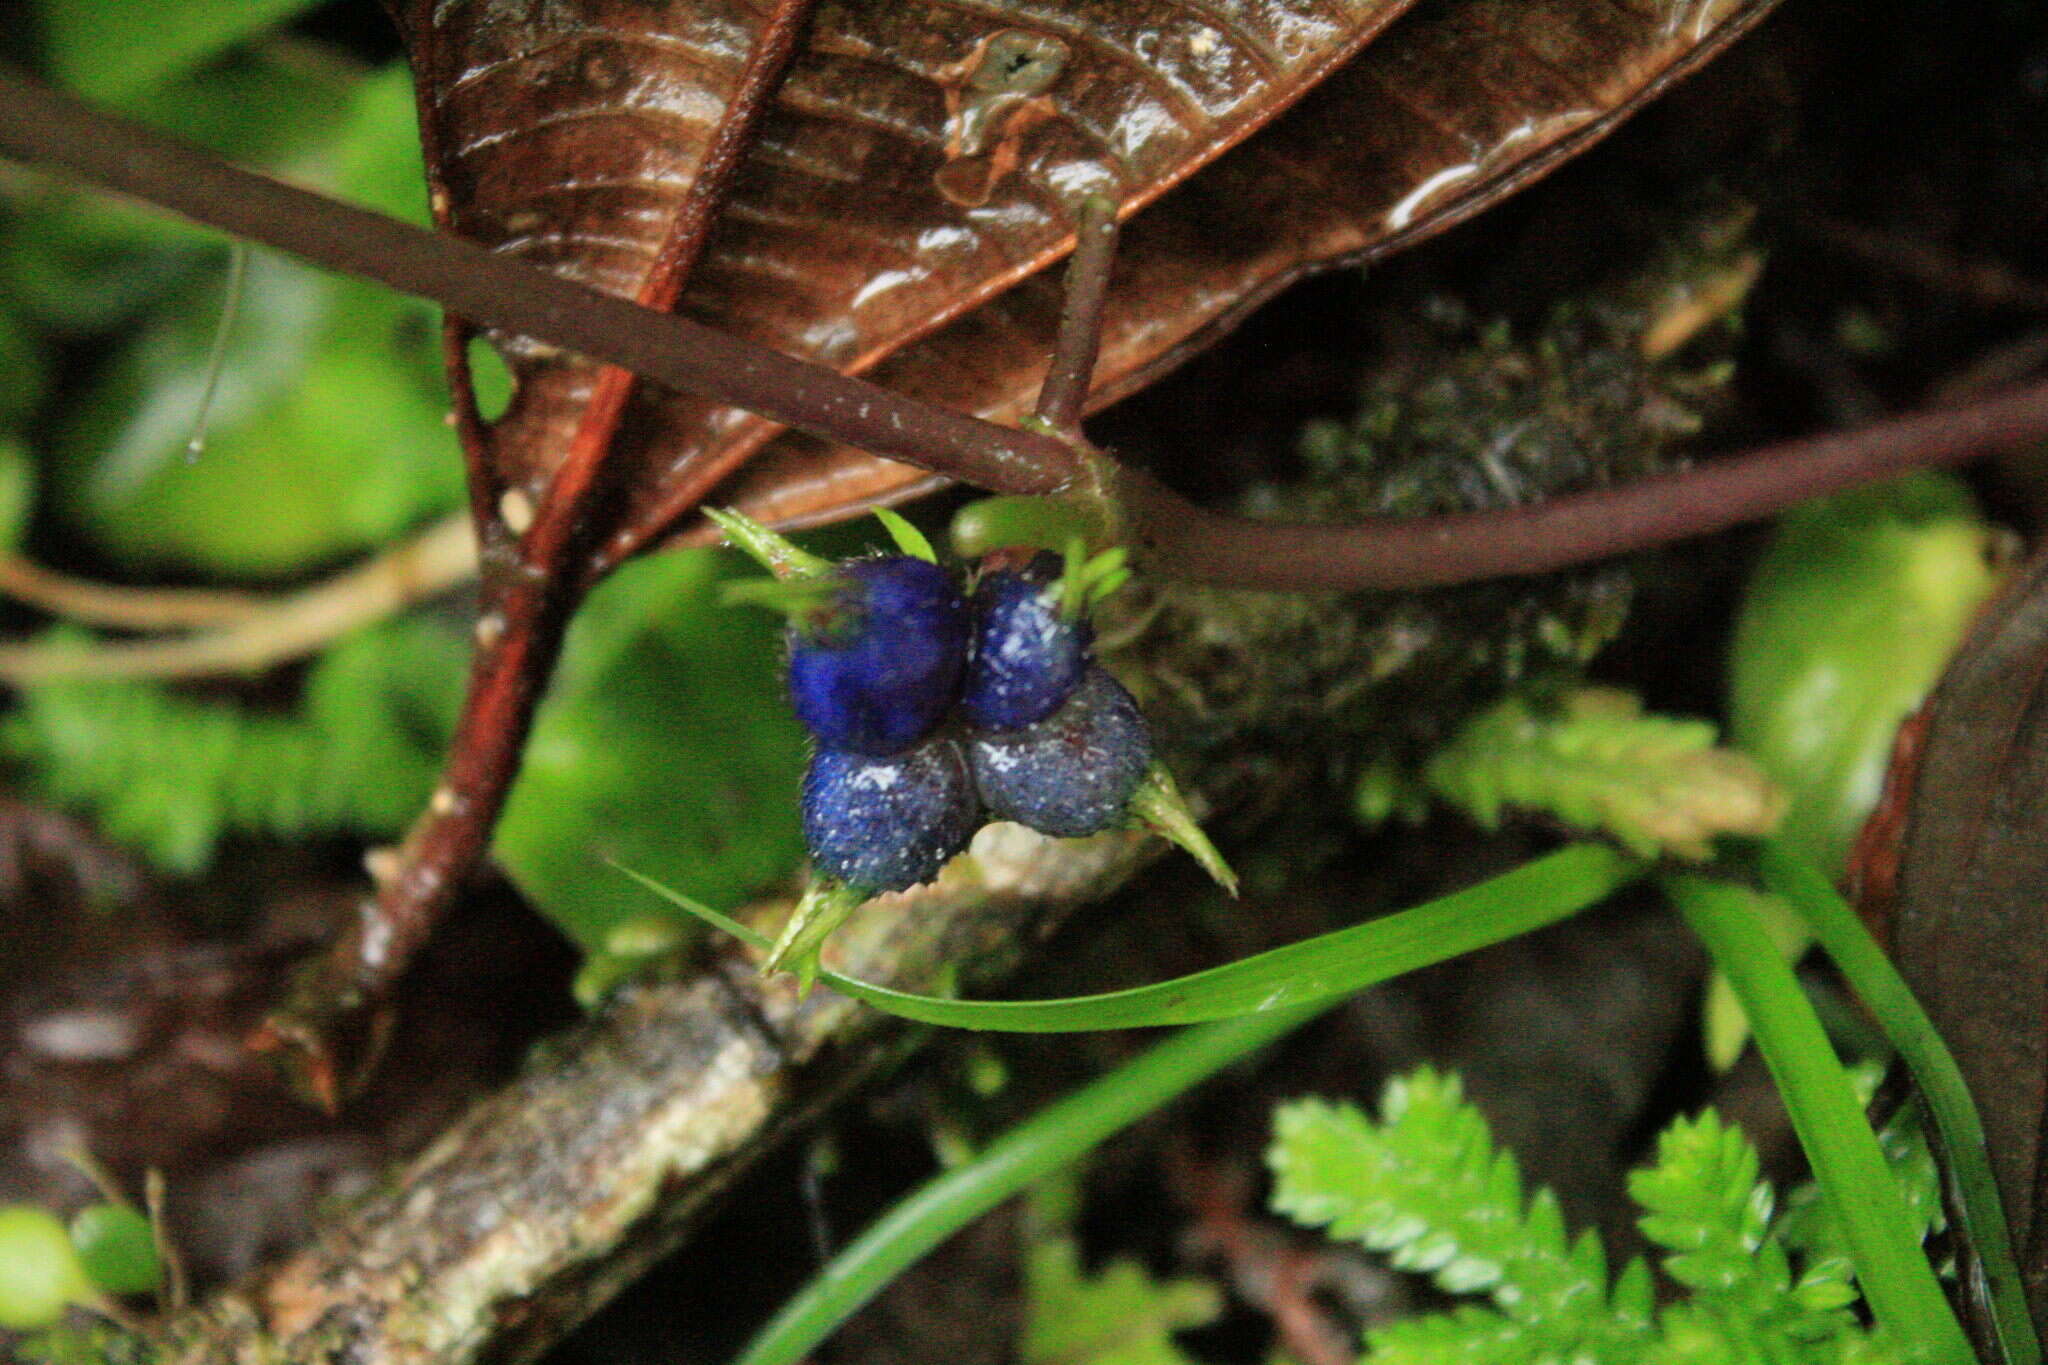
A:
(920, 168)
(1966, 904)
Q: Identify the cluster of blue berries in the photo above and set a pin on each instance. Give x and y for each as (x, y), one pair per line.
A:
(935, 711)
(932, 711)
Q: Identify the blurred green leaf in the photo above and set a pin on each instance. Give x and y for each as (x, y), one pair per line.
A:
(80, 261)
(1118, 1316)
(326, 436)
(17, 491)
(1847, 623)
(39, 1270)
(111, 51)
(23, 370)
(173, 774)
(117, 1248)
(666, 744)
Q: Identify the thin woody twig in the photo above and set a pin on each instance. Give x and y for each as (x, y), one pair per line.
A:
(45, 128)
(106, 604)
(39, 126)
(262, 634)
(1065, 391)
(1183, 540)
(526, 611)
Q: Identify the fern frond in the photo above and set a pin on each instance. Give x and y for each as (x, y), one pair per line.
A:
(1119, 1316)
(1704, 1204)
(1426, 1186)
(1805, 1225)
(1464, 1336)
(172, 775)
(1592, 758)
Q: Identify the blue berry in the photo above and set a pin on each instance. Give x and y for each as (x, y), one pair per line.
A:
(878, 668)
(1027, 657)
(1073, 772)
(883, 824)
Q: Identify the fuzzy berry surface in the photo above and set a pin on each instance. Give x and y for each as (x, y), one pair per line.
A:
(878, 668)
(1026, 657)
(1073, 772)
(884, 824)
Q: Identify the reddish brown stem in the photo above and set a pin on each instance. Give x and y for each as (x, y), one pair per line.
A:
(532, 583)
(45, 128)
(1065, 391)
(680, 251)
(1186, 541)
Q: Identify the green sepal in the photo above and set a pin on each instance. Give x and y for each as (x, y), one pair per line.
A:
(775, 553)
(826, 903)
(1157, 805)
(796, 598)
(1087, 579)
(908, 538)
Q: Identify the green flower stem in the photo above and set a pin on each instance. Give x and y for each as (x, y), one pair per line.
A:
(1539, 893)
(1878, 984)
(1900, 1286)
(1026, 1154)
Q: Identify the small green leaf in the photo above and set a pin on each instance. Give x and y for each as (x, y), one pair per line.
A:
(117, 1248)
(908, 538)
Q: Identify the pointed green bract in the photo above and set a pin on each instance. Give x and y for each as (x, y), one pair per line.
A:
(1157, 805)
(774, 552)
(908, 538)
(826, 903)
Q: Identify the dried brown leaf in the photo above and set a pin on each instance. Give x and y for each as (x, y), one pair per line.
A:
(920, 169)
(1454, 107)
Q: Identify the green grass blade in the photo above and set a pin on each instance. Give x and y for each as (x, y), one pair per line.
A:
(1026, 1154)
(1878, 984)
(1337, 964)
(1897, 1281)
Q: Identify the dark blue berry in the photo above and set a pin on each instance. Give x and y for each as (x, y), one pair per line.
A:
(1073, 772)
(1026, 657)
(874, 671)
(884, 824)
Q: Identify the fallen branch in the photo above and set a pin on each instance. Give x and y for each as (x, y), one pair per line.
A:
(545, 1200)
